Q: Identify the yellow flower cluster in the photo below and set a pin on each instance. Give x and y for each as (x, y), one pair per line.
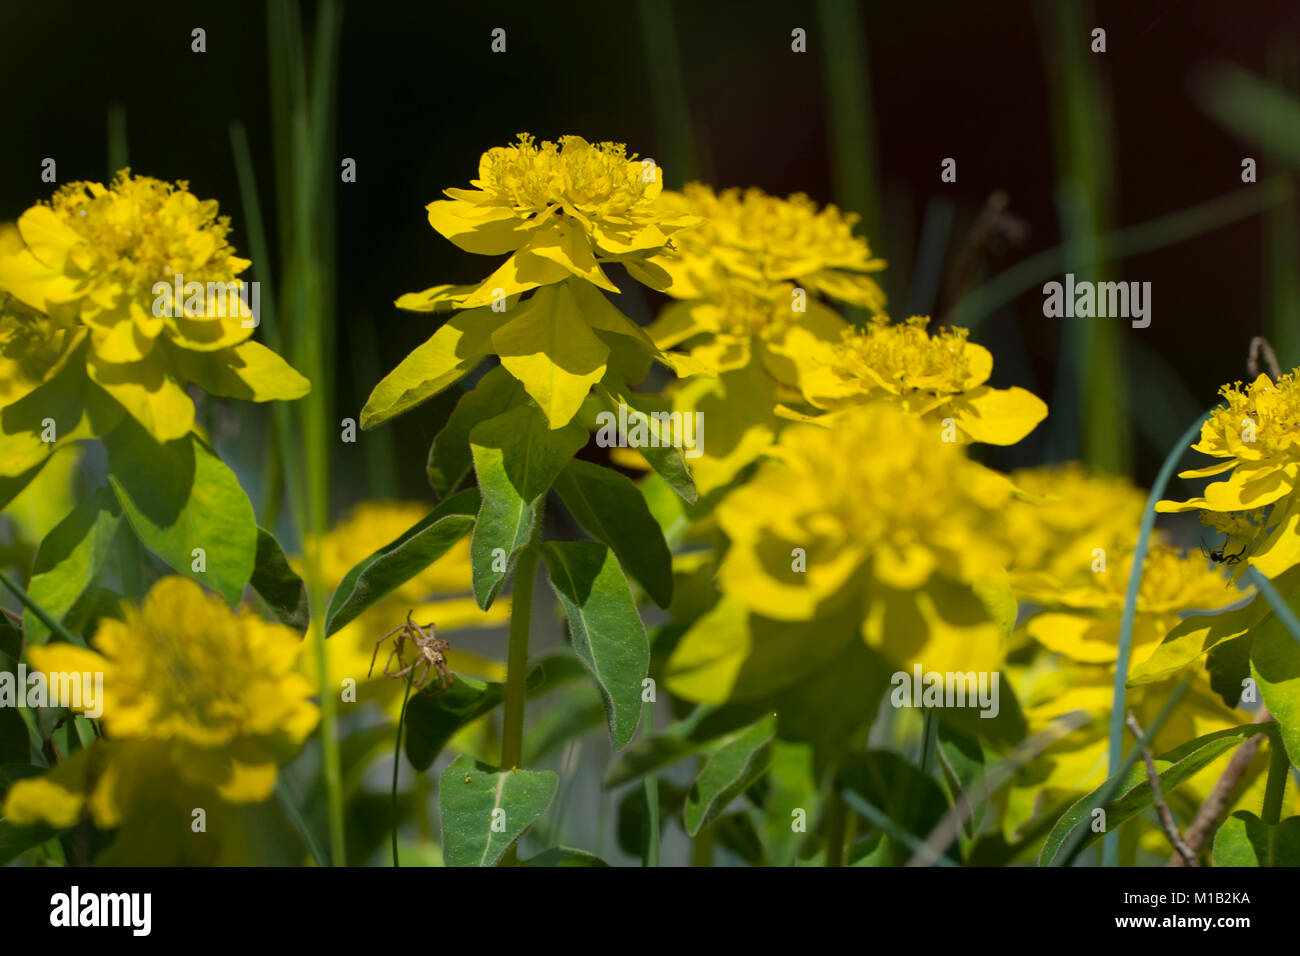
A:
(199, 704)
(88, 283)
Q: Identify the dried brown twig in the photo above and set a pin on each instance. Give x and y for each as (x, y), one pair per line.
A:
(1167, 822)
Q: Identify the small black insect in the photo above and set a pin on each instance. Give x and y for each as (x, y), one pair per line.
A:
(1218, 556)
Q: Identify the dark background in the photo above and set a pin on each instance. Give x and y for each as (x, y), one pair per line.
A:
(421, 96)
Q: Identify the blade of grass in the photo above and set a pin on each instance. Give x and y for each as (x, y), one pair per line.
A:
(118, 155)
(1071, 846)
(1110, 844)
(289, 804)
(397, 758)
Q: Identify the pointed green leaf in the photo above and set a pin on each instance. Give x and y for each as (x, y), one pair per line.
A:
(1134, 792)
(607, 632)
(180, 497)
(1275, 665)
(433, 719)
(459, 345)
(729, 772)
(516, 457)
(668, 461)
(792, 787)
(16, 840)
(398, 561)
(1246, 840)
(611, 509)
(485, 810)
(449, 455)
(69, 561)
(278, 584)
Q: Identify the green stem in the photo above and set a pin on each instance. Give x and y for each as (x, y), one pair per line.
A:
(41, 614)
(397, 758)
(836, 819)
(521, 608)
(651, 782)
(1278, 767)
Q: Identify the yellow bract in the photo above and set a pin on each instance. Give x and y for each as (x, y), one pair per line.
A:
(560, 209)
(191, 691)
(100, 265)
(939, 377)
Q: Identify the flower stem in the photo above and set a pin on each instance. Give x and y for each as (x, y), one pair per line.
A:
(651, 782)
(1278, 766)
(521, 608)
(835, 822)
(512, 736)
(397, 758)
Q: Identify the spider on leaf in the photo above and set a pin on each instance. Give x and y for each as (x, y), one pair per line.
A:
(431, 649)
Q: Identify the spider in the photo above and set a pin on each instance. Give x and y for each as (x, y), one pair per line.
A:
(431, 653)
(1218, 557)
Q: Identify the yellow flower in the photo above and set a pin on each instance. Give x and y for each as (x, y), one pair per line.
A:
(440, 594)
(1077, 764)
(873, 528)
(199, 702)
(1082, 619)
(751, 276)
(771, 242)
(1256, 433)
(97, 268)
(560, 210)
(940, 378)
(1069, 519)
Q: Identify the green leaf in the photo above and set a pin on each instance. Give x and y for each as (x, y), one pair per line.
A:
(791, 788)
(1228, 664)
(449, 455)
(698, 732)
(470, 794)
(1134, 792)
(668, 461)
(736, 832)
(402, 559)
(962, 760)
(15, 840)
(277, 584)
(11, 486)
(563, 856)
(516, 458)
(69, 562)
(1246, 840)
(433, 719)
(611, 509)
(1275, 665)
(728, 773)
(607, 632)
(910, 799)
(179, 497)
(450, 353)
(1201, 633)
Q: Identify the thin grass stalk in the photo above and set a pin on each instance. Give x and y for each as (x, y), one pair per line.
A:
(1110, 846)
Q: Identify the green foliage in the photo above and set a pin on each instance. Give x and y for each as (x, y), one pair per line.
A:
(485, 810)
